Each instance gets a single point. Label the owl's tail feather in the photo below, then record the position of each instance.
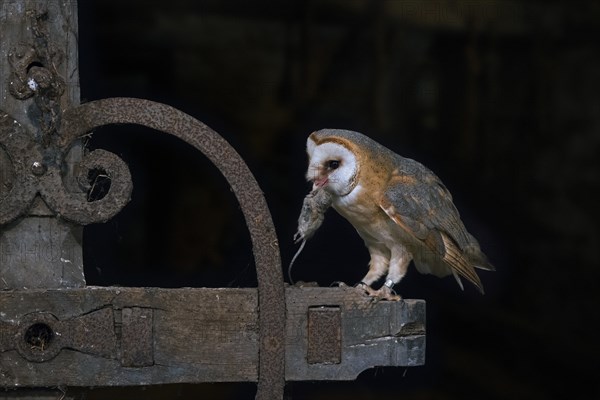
(479, 260)
(457, 277)
(476, 256)
(459, 264)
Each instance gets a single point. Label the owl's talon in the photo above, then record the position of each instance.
(365, 289)
(387, 293)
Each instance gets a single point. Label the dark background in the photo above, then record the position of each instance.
(500, 99)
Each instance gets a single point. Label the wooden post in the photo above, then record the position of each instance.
(37, 41)
(38, 47)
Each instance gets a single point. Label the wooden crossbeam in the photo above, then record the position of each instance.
(113, 336)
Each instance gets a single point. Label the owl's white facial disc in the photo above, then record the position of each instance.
(332, 167)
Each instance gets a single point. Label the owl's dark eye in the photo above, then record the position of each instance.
(333, 164)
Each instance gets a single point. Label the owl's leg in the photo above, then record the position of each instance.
(398, 267)
(378, 266)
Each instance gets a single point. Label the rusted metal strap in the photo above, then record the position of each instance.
(40, 336)
(324, 335)
(137, 344)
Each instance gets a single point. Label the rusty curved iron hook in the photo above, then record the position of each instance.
(79, 120)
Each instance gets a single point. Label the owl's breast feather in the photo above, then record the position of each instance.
(361, 208)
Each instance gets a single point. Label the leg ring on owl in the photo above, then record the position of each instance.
(386, 292)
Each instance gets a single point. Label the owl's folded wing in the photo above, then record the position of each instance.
(422, 206)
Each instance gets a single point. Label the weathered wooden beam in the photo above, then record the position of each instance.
(371, 334)
(142, 336)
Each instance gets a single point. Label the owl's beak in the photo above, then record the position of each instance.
(320, 182)
(317, 177)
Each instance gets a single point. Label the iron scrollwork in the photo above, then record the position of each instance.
(79, 120)
(36, 161)
(38, 168)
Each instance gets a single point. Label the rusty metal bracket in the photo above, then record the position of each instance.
(137, 345)
(38, 169)
(77, 121)
(40, 336)
(324, 335)
(34, 73)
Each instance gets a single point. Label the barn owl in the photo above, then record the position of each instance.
(399, 208)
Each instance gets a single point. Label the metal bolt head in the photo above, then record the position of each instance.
(38, 168)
